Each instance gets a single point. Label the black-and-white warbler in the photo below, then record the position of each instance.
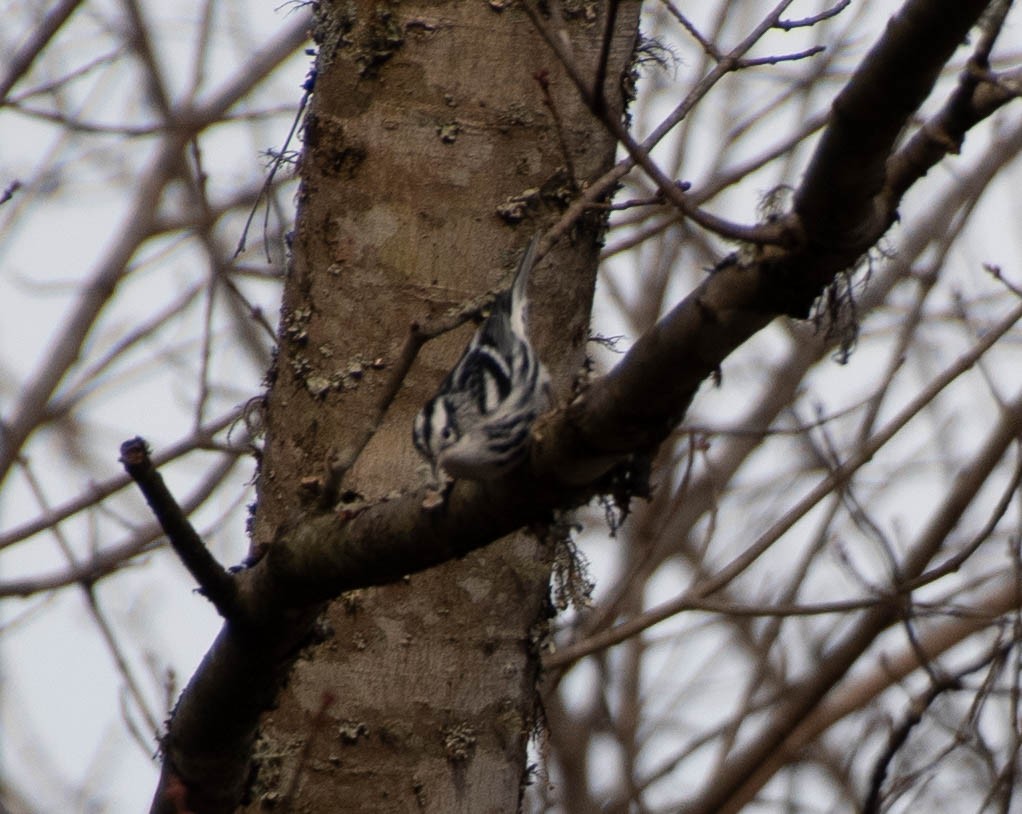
(477, 425)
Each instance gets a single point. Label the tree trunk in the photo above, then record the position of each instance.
(430, 160)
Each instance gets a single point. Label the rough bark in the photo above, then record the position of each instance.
(426, 118)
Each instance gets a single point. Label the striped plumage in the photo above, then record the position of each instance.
(477, 425)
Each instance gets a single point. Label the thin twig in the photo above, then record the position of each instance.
(954, 563)
(542, 78)
(708, 47)
(774, 60)
(308, 87)
(917, 708)
(341, 463)
(807, 22)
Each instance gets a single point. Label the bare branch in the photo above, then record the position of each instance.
(216, 583)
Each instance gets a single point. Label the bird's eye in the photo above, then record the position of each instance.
(447, 433)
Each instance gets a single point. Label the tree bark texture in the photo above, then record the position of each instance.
(430, 160)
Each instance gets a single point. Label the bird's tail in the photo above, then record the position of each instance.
(519, 285)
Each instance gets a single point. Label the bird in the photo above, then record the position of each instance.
(478, 424)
